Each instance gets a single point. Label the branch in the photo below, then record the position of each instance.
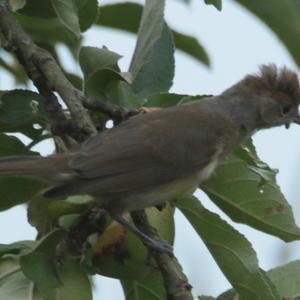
(117, 113)
(41, 67)
(176, 286)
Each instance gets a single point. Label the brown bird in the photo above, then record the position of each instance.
(155, 157)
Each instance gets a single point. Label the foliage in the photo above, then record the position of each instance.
(243, 186)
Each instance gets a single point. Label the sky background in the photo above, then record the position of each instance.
(237, 43)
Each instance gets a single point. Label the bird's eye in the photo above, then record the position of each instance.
(285, 109)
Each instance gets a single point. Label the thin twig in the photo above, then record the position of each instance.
(175, 282)
(41, 67)
(117, 113)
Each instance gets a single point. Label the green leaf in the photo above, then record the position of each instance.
(283, 17)
(37, 8)
(87, 13)
(92, 59)
(67, 13)
(127, 16)
(75, 80)
(19, 107)
(95, 86)
(245, 189)
(119, 93)
(48, 32)
(170, 99)
(287, 279)
(152, 65)
(16, 247)
(216, 3)
(43, 213)
(15, 190)
(75, 284)
(39, 264)
(164, 100)
(228, 295)
(148, 288)
(191, 46)
(76, 15)
(14, 285)
(102, 79)
(229, 248)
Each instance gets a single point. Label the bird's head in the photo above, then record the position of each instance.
(277, 94)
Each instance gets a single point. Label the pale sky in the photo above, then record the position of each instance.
(237, 43)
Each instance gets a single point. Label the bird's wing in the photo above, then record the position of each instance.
(147, 150)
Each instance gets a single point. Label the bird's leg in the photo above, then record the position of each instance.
(155, 245)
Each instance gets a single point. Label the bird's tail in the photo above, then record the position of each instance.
(51, 166)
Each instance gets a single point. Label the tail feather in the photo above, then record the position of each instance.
(54, 165)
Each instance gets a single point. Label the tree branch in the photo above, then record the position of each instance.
(117, 113)
(41, 67)
(175, 282)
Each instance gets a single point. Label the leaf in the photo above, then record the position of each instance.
(191, 46)
(67, 13)
(37, 8)
(15, 190)
(87, 12)
(48, 31)
(14, 285)
(39, 264)
(43, 213)
(287, 279)
(76, 15)
(283, 17)
(102, 79)
(126, 16)
(229, 248)
(19, 107)
(245, 189)
(119, 93)
(152, 65)
(16, 247)
(170, 99)
(216, 3)
(164, 100)
(75, 284)
(148, 288)
(92, 59)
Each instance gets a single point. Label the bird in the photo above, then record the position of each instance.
(155, 157)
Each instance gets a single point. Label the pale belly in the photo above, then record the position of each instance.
(162, 193)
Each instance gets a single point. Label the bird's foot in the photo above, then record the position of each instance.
(159, 246)
(154, 245)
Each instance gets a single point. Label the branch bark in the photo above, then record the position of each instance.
(117, 113)
(43, 70)
(175, 282)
